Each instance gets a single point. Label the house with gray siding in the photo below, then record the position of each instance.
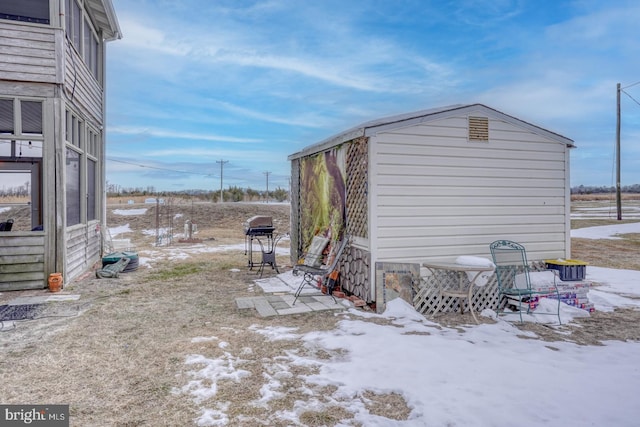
(431, 186)
(52, 139)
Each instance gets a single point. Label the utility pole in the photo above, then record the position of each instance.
(222, 162)
(267, 174)
(618, 195)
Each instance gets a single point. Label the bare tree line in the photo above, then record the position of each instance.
(231, 194)
(594, 189)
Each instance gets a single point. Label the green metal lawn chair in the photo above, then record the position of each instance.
(516, 288)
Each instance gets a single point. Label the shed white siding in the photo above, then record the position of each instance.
(436, 195)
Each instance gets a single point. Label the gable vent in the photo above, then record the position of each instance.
(478, 129)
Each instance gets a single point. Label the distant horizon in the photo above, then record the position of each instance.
(624, 189)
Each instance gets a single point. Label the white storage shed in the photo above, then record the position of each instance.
(431, 186)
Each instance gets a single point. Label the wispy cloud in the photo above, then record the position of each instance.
(308, 120)
(164, 133)
(370, 64)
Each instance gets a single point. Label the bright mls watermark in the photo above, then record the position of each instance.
(34, 415)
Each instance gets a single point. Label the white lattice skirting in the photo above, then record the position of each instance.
(428, 301)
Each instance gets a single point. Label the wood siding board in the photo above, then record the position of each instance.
(454, 212)
(21, 268)
(451, 248)
(490, 217)
(403, 205)
(30, 65)
(430, 191)
(428, 132)
(514, 170)
(21, 250)
(398, 247)
(28, 77)
(21, 239)
(453, 181)
(478, 229)
(15, 28)
(83, 89)
(22, 259)
(483, 225)
(425, 223)
(22, 285)
(497, 177)
(21, 276)
(497, 126)
(413, 144)
(445, 252)
(27, 89)
(82, 250)
(415, 154)
(26, 52)
(32, 74)
(25, 47)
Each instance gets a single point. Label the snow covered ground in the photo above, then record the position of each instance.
(476, 375)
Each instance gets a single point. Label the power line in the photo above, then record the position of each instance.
(631, 85)
(242, 179)
(634, 100)
(155, 167)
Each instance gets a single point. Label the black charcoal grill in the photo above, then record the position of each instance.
(256, 226)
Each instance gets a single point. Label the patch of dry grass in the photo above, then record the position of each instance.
(388, 405)
(122, 358)
(603, 197)
(621, 254)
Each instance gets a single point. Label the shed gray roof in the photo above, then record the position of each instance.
(416, 117)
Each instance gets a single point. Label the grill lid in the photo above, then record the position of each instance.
(259, 221)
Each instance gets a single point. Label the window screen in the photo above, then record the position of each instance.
(73, 187)
(36, 11)
(6, 116)
(31, 117)
(91, 189)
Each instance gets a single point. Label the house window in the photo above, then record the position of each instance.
(92, 182)
(36, 11)
(83, 179)
(478, 129)
(6, 116)
(73, 129)
(72, 186)
(93, 155)
(21, 151)
(82, 36)
(31, 117)
(25, 140)
(73, 20)
(90, 49)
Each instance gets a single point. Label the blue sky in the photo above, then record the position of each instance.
(195, 82)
